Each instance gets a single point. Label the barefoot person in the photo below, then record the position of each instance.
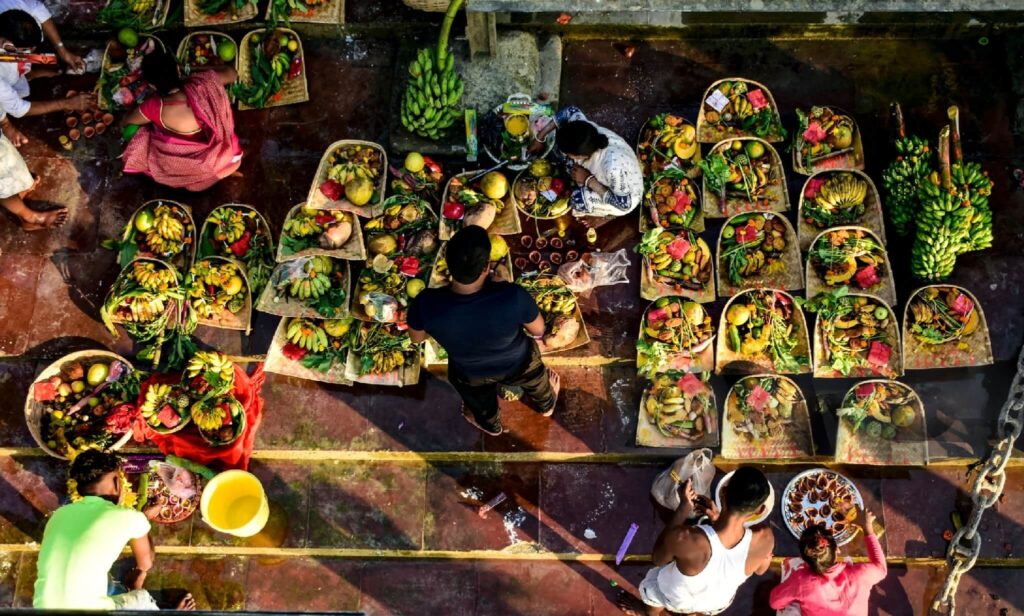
(700, 567)
(603, 166)
(84, 539)
(480, 323)
(820, 585)
(20, 31)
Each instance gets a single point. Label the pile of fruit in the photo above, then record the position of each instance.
(406, 227)
(431, 103)
(673, 325)
(880, 409)
(313, 228)
(132, 14)
(142, 299)
(162, 230)
(380, 348)
(679, 259)
(86, 405)
(355, 173)
(275, 58)
(558, 307)
(752, 245)
(737, 108)
(680, 405)
(498, 262)
(939, 315)
(240, 233)
(668, 142)
(120, 84)
(384, 288)
(762, 407)
(823, 134)
(542, 190)
(859, 334)
(216, 289)
(317, 282)
(317, 344)
(419, 174)
(216, 7)
(165, 407)
(850, 256)
(477, 203)
(740, 169)
(209, 49)
(220, 419)
(834, 198)
(762, 325)
(673, 201)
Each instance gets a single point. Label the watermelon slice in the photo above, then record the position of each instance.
(656, 314)
(691, 385)
(746, 233)
(757, 99)
(758, 398)
(168, 416)
(678, 248)
(865, 389)
(868, 277)
(879, 353)
(293, 351)
(44, 392)
(962, 305)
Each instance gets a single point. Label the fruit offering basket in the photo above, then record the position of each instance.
(677, 409)
(485, 202)
(738, 107)
(758, 250)
(668, 142)
(237, 231)
(563, 320)
(763, 330)
(159, 229)
(850, 257)
(766, 417)
(677, 263)
(945, 327)
(832, 199)
(383, 354)
(743, 175)
(313, 287)
(855, 335)
(882, 423)
(351, 176)
(311, 231)
(207, 48)
(676, 334)
(271, 70)
(219, 293)
(312, 349)
(200, 13)
(826, 138)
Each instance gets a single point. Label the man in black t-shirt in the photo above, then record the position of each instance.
(481, 323)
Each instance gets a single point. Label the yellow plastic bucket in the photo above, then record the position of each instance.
(234, 502)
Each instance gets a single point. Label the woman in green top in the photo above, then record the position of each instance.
(84, 539)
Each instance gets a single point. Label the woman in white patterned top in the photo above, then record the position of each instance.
(602, 165)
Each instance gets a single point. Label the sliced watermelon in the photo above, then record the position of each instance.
(691, 385)
(868, 277)
(293, 351)
(44, 391)
(678, 248)
(168, 416)
(962, 305)
(879, 353)
(865, 389)
(758, 398)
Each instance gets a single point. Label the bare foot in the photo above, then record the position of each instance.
(556, 384)
(187, 603)
(35, 184)
(40, 221)
(632, 606)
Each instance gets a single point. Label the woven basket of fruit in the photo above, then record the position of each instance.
(563, 320)
(200, 13)
(834, 198)
(219, 293)
(135, 14)
(737, 107)
(385, 285)
(145, 296)
(314, 287)
(120, 85)
(668, 142)
(406, 233)
(500, 264)
(672, 202)
(766, 417)
(82, 401)
(882, 422)
(542, 190)
(165, 407)
(677, 263)
(312, 349)
(945, 327)
(855, 335)
(271, 70)
(330, 232)
(675, 334)
(763, 330)
(743, 175)
(306, 11)
(220, 420)
(159, 229)
(758, 250)
(205, 48)
(826, 138)
(382, 354)
(485, 202)
(850, 256)
(677, 409)
(238, 231)
(352, 175)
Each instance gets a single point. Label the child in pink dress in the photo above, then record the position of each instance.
(821, 586)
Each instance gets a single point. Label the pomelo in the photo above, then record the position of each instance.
(494, 185)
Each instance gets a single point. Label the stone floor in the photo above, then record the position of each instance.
(375, 491)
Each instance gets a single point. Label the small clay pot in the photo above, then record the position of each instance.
(534, 256)
(541, 243)
(572, 255)
(108, 118)
(71, 121)
(520, 263)
(100, 128)
(556, 243)
(89, 132)
(86, 117)
(556, 258)
(526, 241)
(74, 134)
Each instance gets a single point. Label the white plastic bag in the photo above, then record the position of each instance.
(696, 467)
(596, 269)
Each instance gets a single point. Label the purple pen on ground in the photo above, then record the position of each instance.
(491, 504)
(625, 543)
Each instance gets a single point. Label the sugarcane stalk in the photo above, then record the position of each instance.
(897, 115)
(947, 178)
(954, 116)
(446, 28)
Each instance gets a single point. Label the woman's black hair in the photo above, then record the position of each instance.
(90, 466)
(818, 549)
(580, 138)
(20, 28)
(468, 253)
(160, 70)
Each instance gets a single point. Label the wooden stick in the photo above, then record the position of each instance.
(947, 179)
(954, 116)
(897, 115)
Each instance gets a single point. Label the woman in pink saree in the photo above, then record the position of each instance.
(186, 136)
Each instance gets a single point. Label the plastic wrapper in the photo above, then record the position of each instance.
(178, 481)
(695, 466)
(596, 269)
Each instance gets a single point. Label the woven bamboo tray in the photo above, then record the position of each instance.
(182, 53)
(292, 91)
(34, 411)
(353, 250)
(822, 370)
(648, 215)
(161, 12)
(648, 434)
(582, 338)
(653, 286)
(505, 223)
(728, 361)
(194, 17)
(202, 251)
(124, 271)
(871, 219)
(796, 442)
(789, 278)
(277, 363)
(318, 200)
(849, 160)
(690, 166)
(701, 358)
(101, 100)
(184, 259)
(284, 306)
(886, 291)
(241, 320)
(431, 6)
(858, 448)
(329, 12)
(972, 350)
(775, 199)
(707, 133)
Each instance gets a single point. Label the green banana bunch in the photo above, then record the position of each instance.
(431, 101)
(901, 178)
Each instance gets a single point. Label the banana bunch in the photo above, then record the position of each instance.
(228, 224)
(310, 287)
(386, 361)
(345, 172)
(557, 303)
(431, 101)
(975, 186)
(209, 414)
(741, 107)
(145, 307)
(901, 179)
(281, 63)
(141, 7)
(153, 277)
(843, 191)
(302, 225)
(933, 255)
(307, 334)
(204, 362)
(391, 284)
(156, 394)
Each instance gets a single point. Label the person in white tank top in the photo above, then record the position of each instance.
(699, 567)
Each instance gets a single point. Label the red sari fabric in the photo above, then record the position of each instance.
(193, 162)
(190, 445)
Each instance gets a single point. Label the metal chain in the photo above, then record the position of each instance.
(965, 546)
